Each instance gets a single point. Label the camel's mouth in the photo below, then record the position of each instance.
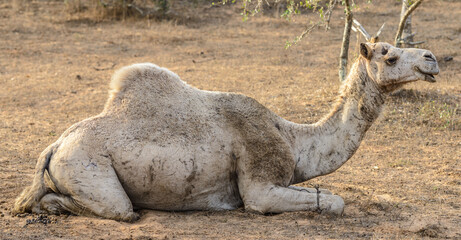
(428, 77)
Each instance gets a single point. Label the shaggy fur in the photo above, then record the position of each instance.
(162, 144)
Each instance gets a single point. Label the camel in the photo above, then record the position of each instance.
(162, 144)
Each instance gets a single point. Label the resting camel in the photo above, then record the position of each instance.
(162, 144)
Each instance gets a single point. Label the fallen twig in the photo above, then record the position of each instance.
(106, 68)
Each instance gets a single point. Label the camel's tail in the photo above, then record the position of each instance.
(30, 197)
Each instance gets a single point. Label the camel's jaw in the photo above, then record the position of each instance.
(419, 74)
(427, 76)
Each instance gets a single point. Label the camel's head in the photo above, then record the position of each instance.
(392, 67)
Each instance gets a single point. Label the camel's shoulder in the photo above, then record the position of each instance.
(246, 114)
(241, 105)
(261, 134)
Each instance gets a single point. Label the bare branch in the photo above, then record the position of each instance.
(380, 29)
(408, 37)
(416, 43)
(345, 45)
(362, 30)
(403, 20)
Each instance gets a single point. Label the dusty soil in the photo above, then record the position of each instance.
(403, 182)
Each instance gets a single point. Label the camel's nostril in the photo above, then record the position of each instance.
(429, 57)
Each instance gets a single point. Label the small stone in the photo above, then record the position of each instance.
(448, 58)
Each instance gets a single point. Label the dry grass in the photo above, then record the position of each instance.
(96, 10)
(75, 6)
(18, 5)
(433, 109)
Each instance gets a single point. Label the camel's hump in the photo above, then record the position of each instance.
(145, 76)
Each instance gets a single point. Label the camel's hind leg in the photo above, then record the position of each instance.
(87, 186)
(101, 197)
(57, 204)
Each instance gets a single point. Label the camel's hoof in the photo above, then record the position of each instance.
(331, 205)
(337, 206)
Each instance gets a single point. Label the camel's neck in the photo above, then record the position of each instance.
(323, 147)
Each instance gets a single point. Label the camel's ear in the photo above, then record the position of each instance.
(365, 50)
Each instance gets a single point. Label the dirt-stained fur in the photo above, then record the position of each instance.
(162, 144)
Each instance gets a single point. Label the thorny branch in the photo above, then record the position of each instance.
(306, 31)
(325, 20)
(331, 6)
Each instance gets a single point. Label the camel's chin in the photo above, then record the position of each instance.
(429, 78)
(426, 76)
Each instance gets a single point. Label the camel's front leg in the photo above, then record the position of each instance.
(311, 190)
(268, 198)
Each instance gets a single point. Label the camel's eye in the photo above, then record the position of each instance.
(391, 61)
(384, 51)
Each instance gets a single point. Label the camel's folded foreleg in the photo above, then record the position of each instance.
(268, 198)
(311, 190)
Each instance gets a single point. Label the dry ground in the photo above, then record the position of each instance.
(403, 182)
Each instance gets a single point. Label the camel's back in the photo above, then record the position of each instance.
(145, 96)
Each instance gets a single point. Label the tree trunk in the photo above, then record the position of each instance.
(407, 28)
(403, 20)
(345, 47)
